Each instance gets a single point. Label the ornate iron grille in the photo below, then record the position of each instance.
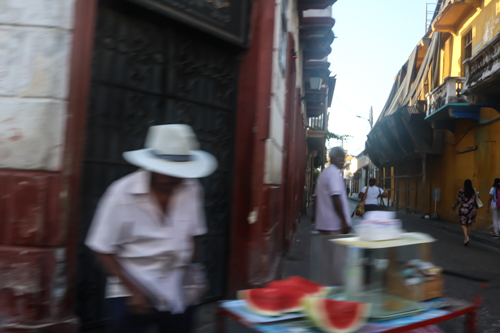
(146, 73)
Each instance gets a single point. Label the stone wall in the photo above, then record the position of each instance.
(35, 41)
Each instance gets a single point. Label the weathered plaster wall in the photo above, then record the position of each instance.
(487, 24)
(481, 166)
(35, 40)
(275, 142)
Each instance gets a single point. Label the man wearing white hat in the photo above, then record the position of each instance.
(144, 231)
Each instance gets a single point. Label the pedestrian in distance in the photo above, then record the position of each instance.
(331, 215)
(372, 198)
(348, 189)
(468, 209)
(494, 205)
(144, 234)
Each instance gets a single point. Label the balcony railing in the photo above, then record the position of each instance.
(483, 67)
(317, 123)
(448, 92)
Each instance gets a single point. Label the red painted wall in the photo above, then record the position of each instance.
(257, 248)
(39, 214)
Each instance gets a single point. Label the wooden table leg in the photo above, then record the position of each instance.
(471, 322)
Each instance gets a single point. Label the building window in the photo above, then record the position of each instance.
(467, 47)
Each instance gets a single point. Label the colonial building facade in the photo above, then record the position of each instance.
(82, 80)
(440, 124)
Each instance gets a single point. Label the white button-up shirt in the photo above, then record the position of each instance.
(330, 183)
(152, 247)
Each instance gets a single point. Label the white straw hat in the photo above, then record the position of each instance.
(173, 150)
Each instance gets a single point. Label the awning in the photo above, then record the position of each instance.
(401, 130)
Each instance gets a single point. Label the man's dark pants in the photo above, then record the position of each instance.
(123, 321)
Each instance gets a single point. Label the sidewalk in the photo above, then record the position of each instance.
(450, 227)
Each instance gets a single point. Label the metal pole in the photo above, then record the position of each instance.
(407, 196)
(430, 185)
(371, 117)
(397, 187)
(424, 166)
(426, 13)
(416, 192)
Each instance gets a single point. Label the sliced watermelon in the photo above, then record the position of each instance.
(336, 316)
(291, 300)
(308, 287)
(263, 301)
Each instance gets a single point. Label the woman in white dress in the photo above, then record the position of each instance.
(492, 205)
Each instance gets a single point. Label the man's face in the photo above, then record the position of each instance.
(164, 183)
(338, 160)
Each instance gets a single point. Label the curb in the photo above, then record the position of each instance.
(476, 235)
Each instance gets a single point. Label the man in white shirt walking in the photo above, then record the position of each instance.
(144, 231)
(332, 205)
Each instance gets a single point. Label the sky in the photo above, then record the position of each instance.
(373, 40)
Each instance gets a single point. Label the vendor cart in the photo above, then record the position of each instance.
(381, 279)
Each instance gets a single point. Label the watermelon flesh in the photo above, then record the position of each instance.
(282, 296)
(335, 316)
(263, 301)
(299, 284)
(291, 300)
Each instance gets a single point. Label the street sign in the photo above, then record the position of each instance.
(436, 195)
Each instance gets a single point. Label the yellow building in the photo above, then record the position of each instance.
(439, 125)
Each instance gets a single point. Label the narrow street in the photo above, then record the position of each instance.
(476, 261)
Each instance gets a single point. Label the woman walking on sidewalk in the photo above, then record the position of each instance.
(468, 210)
(493, 205)
(374, 192)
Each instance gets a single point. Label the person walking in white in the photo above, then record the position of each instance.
(495, 211)
(332, 207)
(374, 192)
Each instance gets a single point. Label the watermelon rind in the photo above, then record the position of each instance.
(310, 308)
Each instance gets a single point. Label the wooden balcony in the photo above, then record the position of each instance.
(316, 36)
(316, 123)
(448, 92)
(452, 13)
(315, 4)
(446, 104)
(482, 70)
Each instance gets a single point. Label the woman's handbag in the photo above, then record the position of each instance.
(360, 208)
(479, 203)
(382, 205)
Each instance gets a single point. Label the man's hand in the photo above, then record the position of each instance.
(337, 205)
(138, 303)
